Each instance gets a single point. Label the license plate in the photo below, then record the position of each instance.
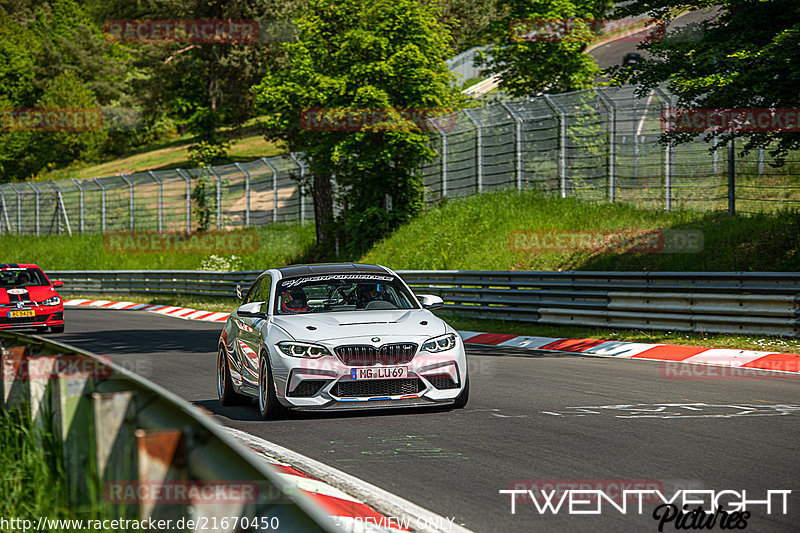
(383, 372)
(20, 314)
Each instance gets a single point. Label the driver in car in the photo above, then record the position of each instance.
(367, 293)
(294, 301)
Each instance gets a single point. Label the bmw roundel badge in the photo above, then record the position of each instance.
(376, 339)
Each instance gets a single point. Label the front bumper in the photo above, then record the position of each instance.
(327, 384)
(44, 316)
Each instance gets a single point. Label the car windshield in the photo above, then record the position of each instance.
(341, 292)
(21, 277)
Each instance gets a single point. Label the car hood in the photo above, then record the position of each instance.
(405, 323)
(36, 294)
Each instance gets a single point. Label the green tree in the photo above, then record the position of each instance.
(553, 64)
(747, 57)
(351, 55)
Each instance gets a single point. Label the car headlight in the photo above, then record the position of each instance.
(55, 300)
(303, 349)
(440, 344)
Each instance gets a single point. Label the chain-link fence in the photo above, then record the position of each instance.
(599, 144)
(254, 193)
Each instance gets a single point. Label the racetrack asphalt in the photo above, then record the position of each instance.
(532, 416)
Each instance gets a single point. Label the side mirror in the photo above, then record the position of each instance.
(239, 291)
(251, 310)
(429, 301)
(58, 283)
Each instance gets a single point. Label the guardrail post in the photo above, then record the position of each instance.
(102, 204)
(478, 149)
(246, 194)
(160, 198)
(219, 196)
(35, 190)
(274, 188)
(188, 199)
(517, 143)
(300, 187)
(130, 188)
(609, 104)
(19, 206)
(161, 455)
(562, 143)
(75, 426)
(115, 445)
(82, 206)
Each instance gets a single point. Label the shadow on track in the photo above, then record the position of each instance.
(143, 341)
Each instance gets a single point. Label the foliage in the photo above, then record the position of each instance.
(747, 57)
(529, 67)
(353, 55)
(475, 233)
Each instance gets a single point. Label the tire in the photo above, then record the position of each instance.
(463, 398)
(225, 392)
(57, 329)
(268, 404)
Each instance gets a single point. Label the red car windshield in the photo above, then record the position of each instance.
(22, 277)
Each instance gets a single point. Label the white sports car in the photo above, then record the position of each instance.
(339, 336)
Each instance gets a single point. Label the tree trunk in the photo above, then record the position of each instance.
(322, 192)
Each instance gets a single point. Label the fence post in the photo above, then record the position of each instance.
(668, 156)
(19, 206)
(130, 187)
(219, 196)
(478, 149)
(102, 205)
(609, 104)
(160, 198)
(517, 143)
(35, 190)
(5, 211)
(82, 208)
(60, 208)
(716, 155)
(246, 194)
(731, 177)
(562, 143)
(188, 199)
(274, 188)
(300, 187)
(760, 160)
(443, 157)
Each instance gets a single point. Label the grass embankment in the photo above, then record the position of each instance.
(172, 152)
(480, 233)
(278, 245)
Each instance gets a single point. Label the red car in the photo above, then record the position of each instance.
(28, 299)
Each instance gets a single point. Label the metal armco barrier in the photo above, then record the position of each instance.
(121, 434)
(724, 302)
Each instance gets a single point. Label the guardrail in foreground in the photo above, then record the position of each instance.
(128, 439)
(724, 302)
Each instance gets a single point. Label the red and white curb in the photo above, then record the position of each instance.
(343, 497)
(749, 359)
(185, 313)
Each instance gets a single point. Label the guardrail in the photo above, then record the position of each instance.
(123, 438)
(724, 302)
